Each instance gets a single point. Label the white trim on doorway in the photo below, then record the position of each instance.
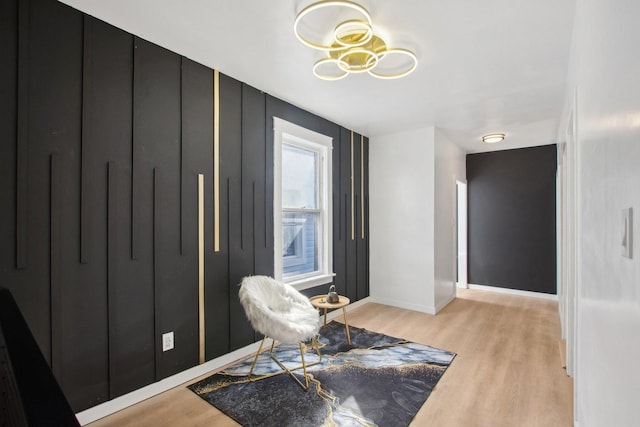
(461, 222)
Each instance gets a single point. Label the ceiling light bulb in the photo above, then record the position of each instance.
(492, 138)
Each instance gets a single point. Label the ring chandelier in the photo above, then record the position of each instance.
(354, 46)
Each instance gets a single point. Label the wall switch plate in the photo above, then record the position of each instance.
(167, 341)
(627, 233)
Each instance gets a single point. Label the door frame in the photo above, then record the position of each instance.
(461, 235)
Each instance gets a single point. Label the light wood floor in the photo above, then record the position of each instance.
(507, 372)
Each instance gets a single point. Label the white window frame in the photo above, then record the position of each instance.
(288, 133)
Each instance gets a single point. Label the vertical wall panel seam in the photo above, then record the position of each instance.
(356, 251)
(228, 226)
(54, 282)
(22, 135)
(353, 226)
(216, 161)
(253, 221)
(242, 168)
(154, 238)
(182, 155)
(339, 215)
(201, 273)
(86, 66)
(266, 152)
(339, 186)
(346, 226)
(362, 185)
(366, 216)
(109, 260)
(134, 203)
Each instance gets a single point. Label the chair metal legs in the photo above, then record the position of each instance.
(303, 366)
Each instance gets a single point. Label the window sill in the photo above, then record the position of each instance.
(310, 282)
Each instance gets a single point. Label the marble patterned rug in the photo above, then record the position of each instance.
(378, 380)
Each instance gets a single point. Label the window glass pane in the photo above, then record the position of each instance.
(299, 178)
(299, 243)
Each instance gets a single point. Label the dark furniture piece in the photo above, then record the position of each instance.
(29, 393)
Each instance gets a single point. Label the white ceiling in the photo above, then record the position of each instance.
(484, 66)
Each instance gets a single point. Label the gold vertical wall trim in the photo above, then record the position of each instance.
(201, 265)
(216, 161)
(353, 216)
(362, 185)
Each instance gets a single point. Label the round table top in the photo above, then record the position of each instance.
(320, 301)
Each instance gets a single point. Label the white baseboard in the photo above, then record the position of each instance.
(445, 303)
(428, 309)
(112, 406)
(514, 292)
(137, 396)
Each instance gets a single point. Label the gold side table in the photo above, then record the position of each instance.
(320, 301)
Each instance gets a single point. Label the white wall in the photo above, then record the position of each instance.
(450, 164)
(401, 183)
(604, 72)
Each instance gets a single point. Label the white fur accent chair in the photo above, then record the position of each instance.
(280, 312)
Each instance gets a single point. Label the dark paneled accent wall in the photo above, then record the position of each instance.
(512, 219)
(103, 138)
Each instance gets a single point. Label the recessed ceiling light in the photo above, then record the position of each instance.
(492, 138)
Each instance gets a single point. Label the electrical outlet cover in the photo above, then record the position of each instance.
(167, 341)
